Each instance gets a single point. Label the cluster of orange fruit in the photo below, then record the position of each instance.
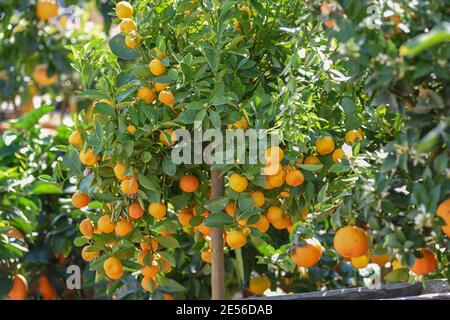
(46, 9)
(19, 290)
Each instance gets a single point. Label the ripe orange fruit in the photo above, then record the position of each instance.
(75, 139)
(123, 227)
(312, 160)
(132, 40)
(283, 223)
(127, 25)
(88, 158)
(135, 211)
(350, 137)
(337, 155)
(396, 264)
(104, 224)
(309, 254)
(325, 145)
(149, 244)
(119, 171)
(149, 284)
(258, 285)
(167, 98)
(159, 54)
(157, 210)
(19, 290)
(329, 23)
(146, 94)
(206, 256)
(89, 255)
(185, 216)
(168, 296)
(150, 271)
(273, 154)
(381, 259)
(87, 228)
(360, 262)
(141, 256)
(236, 239)
(80, 200)
(41, 78)
(262, 224)
(189, 183)
(258, 198)
(124, 10)
(278, 179)
(240, 124)
(426, 264)
(164, 140)
(443, 211)
(294, 178)
(270, 169)
(230, 208)
(351, 242)
(131, 129)
(159, 86)
(130, 185)
(237, 182)
(113, 268)
(46, 9)
(274, 214)
(204, 229)
(156, 67)
(46, 289)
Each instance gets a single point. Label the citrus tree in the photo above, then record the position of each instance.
(292, 220)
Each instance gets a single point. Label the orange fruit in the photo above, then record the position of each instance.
(312, 160)
(325, 145)
(159, 54)
(127, 25)
(132, 40)
(75, 139)
(283, 223)
(240, 124)
(360, 262)
(123, 227)
(149, 244)
(167, 98)
(130, 185)
(426, 264)
(46, 289)
(185, 216)
(352, 135)
(258, 198)
(381, 259)
(278, 179)
(237, 182)
(135, 211)
(41, 78)
(309, 254)
(443, 211)
(396, 264)
(206, 256)
(88, 158)
(273, 154)
(142, 255)
(157, 210)
(337, 155)
(189, 183)
(230, 208)
(262, 224)
(19, 290)
(204, 229)
(146, 94)
(294, 178)
(271, 169)
(124, 10)
(329, 23)
(149, 284)
(119, 171)
(150, 271)
(351, 242)
(163, 138)
(156, 67)
(113, 268)
(274, 214)
(258, 285)
(131, 129)
(87, 228)
(159, 86)
(80, 200)
(236, 239)
(46, 9)
(168, 296)
(89, 255)
(104, 224)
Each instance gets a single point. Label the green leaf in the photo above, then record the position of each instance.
(216, 220)
(32, 118)
(425, 41)
(338, 167)
(168, 242)
(41, 187)
(311, 167)
(148, 183)
(217, 204)
(80, 241)
(169, 167)
(104, 109)
(399, 275)
(119, 48)
(170, 285)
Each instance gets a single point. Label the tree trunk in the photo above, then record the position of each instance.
(217, 263)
